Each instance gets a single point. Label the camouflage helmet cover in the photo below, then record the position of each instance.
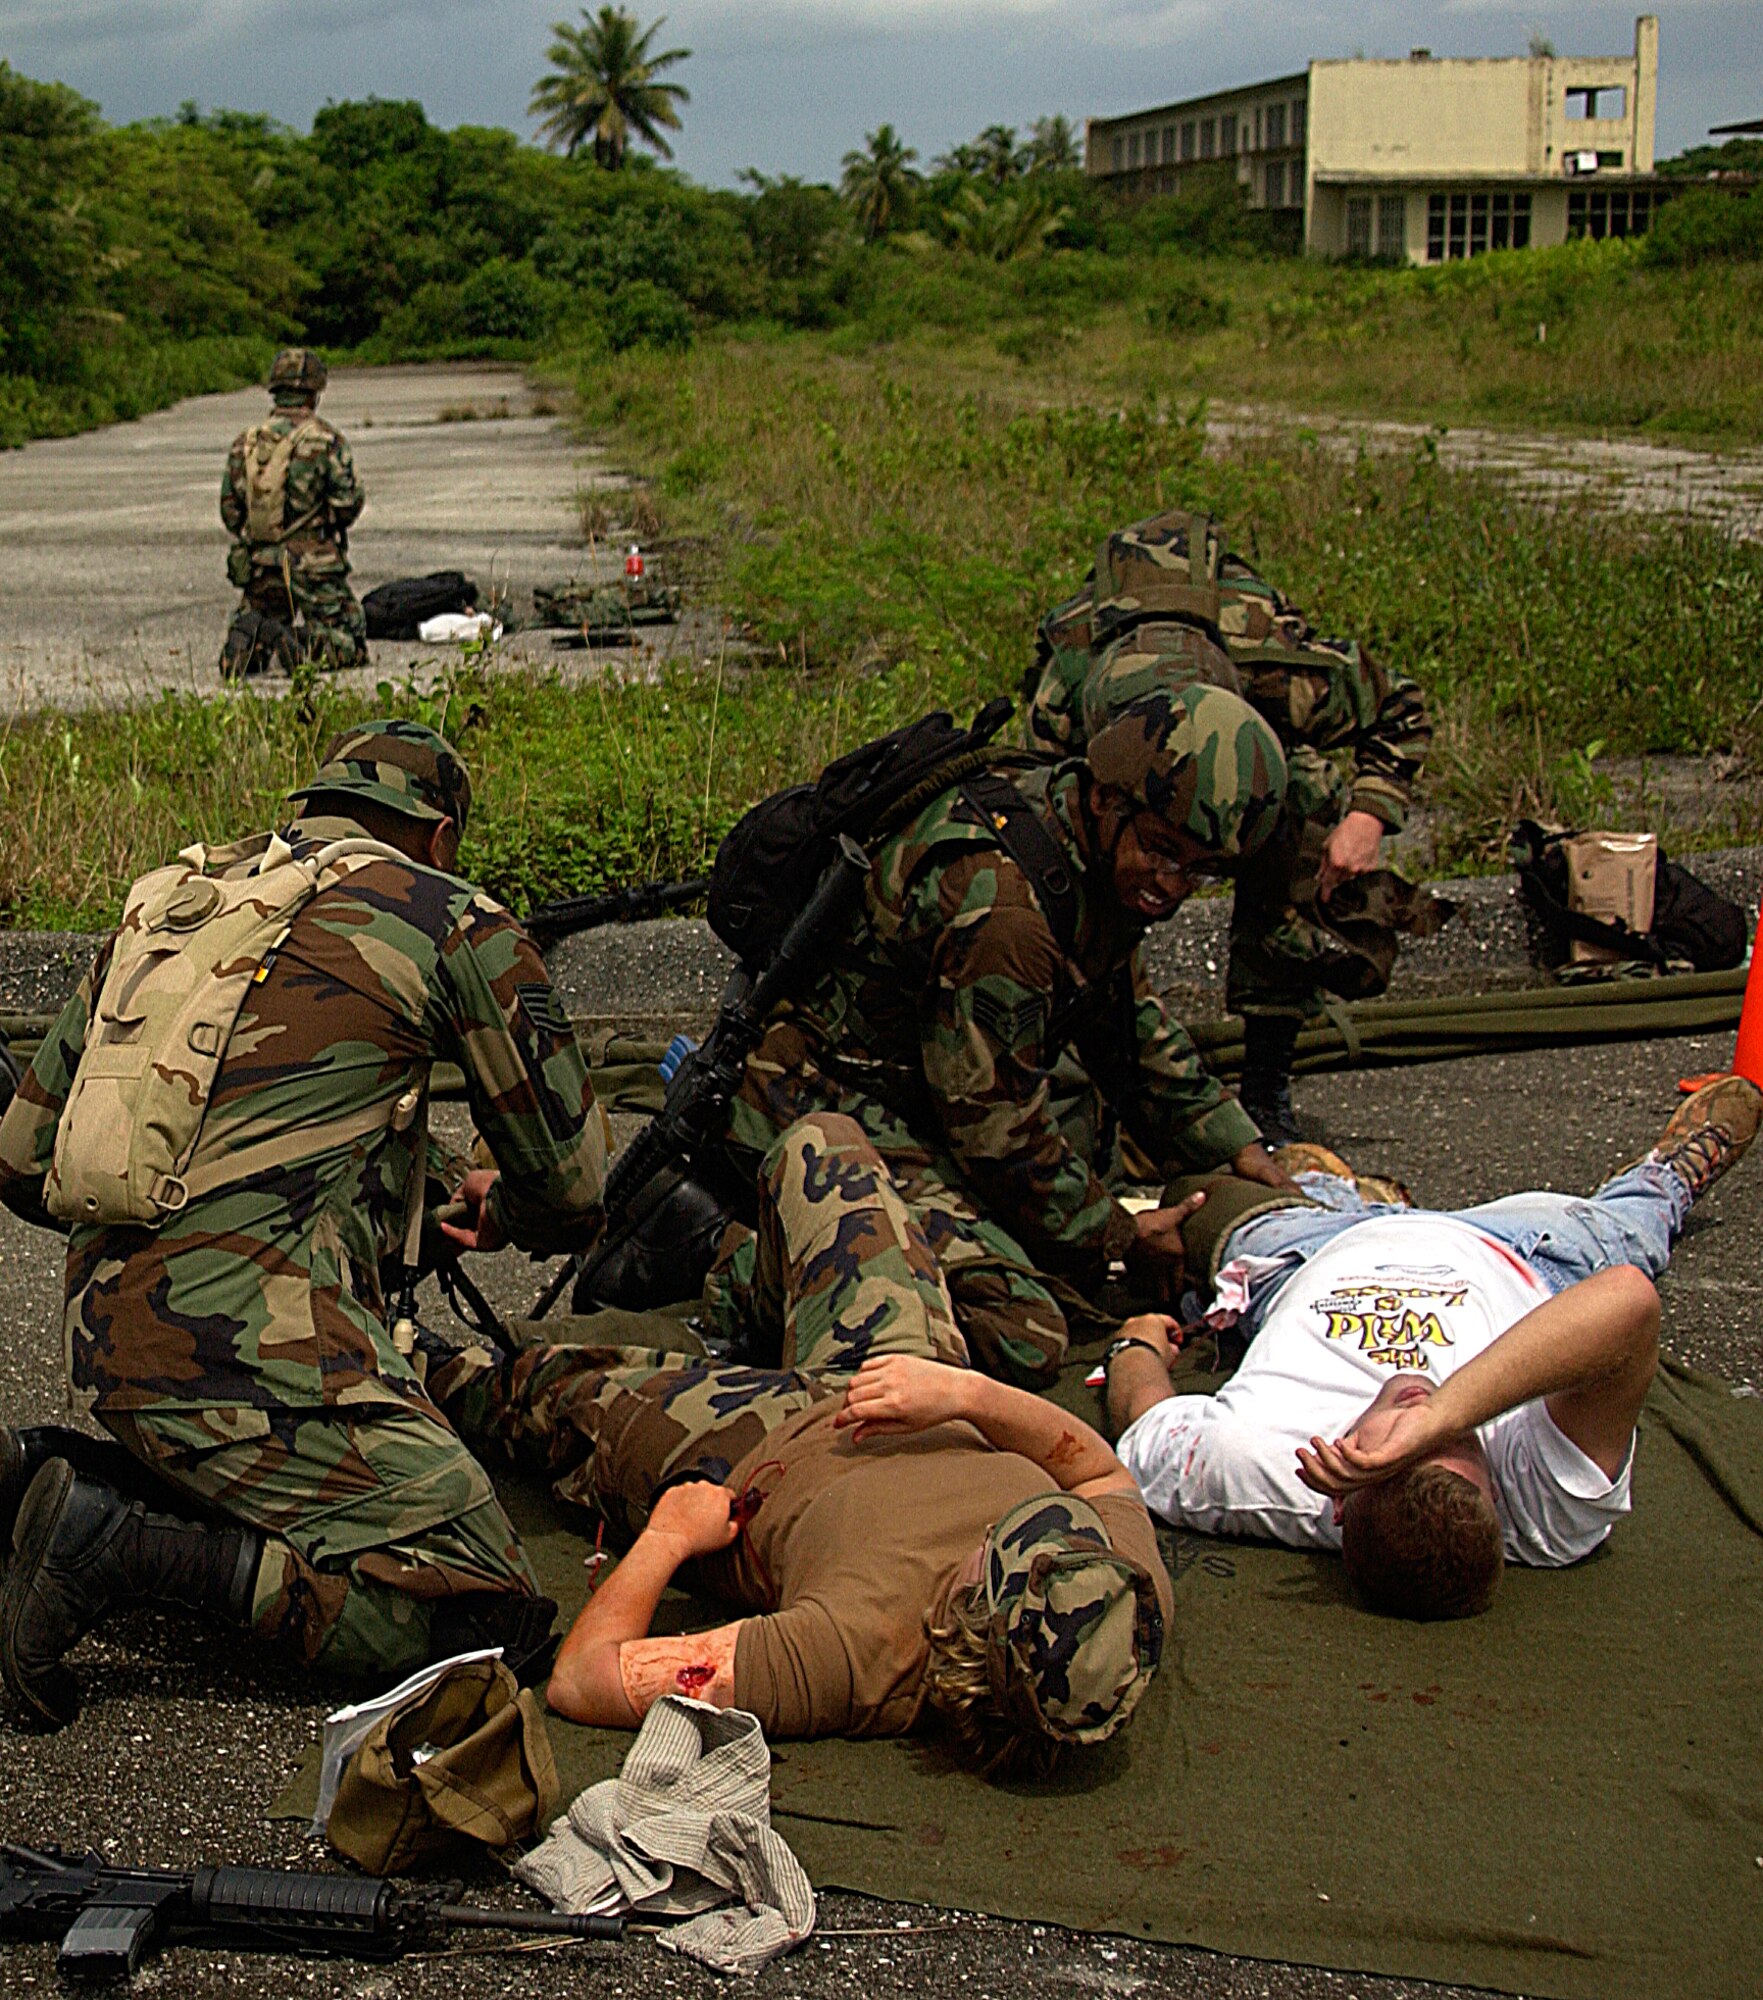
(1200, 758)
(403, 765)
(298, 373)
(1162, 655)
(1074, 1631)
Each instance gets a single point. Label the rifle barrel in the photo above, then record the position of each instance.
(549, 1923)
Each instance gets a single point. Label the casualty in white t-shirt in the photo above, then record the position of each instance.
(1420, 1293)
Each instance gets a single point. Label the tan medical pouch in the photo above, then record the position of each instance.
(188, 950)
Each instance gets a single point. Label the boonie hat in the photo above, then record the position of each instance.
(1074, 1631)
(404, 765)
(1200, 758)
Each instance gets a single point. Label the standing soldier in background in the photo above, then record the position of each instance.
(289, 498)
(230, 1120)
(1167, 606)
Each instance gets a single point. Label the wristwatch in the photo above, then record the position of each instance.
(1121, 1345)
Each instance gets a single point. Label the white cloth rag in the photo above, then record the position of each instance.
(683, 1830)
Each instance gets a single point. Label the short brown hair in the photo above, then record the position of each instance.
(958, 1685)
(1425, 1544)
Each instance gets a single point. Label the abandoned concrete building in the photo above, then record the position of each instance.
(1424, 160)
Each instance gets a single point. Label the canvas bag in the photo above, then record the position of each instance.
(186, 954)
(467, 1759)
(267, 459)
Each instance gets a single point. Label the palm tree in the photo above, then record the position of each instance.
(602, 87)
(1054, 147)
(878, 182)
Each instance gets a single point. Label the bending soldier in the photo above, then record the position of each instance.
(1000, 926)
(289, 498)
(276, 1464)
(908, 1539)
(1167, 606)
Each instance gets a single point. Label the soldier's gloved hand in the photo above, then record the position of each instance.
(476, 1227)
(1354, 848)
(1256, 1163)
(1157, 1262)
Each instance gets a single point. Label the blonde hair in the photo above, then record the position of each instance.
(958, 1685)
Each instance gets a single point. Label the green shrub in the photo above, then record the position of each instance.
(1704, 224)
(642, 314)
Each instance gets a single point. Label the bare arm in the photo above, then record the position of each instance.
(893, 1394)
(1138, 1377)
(587, 1683)
(1590, 1352)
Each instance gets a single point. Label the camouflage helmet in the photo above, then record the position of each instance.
(1073, 1631)
(1201, 758)
(297, 374)
(403, 765)
(1154, 658)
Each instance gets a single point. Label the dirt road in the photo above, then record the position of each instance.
(112, 555)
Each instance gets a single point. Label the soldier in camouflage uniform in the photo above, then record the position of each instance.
(289, 498)
(938, 1029)
(240, 1350)
(848, 1497)
(1168, 606)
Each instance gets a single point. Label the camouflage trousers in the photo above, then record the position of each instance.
(332, 624)
(1013, 1324)
(840, 1266)
(370, 1522)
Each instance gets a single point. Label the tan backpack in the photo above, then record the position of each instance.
(268, 455)
(189, 948)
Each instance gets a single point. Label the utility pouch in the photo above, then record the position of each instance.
(188, 950)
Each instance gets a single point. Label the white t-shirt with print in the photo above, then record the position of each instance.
(1419, 1293)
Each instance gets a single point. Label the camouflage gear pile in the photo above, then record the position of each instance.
(242, 1346)
(1075, 1632)
(937, 1031)
(291, 560)
(1199, 758)
(403, 765)
(1167, 607)
(299, 374)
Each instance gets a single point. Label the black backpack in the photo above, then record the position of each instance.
(395, 610)
(771, 858)
(1691, 922)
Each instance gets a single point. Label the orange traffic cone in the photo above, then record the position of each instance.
(1747, 1057)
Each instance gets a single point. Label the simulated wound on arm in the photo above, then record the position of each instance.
(528, 1082)
(699, 1664)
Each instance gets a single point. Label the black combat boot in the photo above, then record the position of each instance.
(81, 1551)
(27, 1448)
(524, 1627)
(1269, 1042)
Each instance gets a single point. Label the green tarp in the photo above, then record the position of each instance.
(1562, 1798)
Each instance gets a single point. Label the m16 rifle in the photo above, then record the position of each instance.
(551, 921)
(110, 1919)
(691, 1120)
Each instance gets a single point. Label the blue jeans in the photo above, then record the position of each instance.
(1633, 1219)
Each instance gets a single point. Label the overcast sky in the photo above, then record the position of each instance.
(788, 85)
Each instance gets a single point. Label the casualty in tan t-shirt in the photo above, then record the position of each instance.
(850, 1547)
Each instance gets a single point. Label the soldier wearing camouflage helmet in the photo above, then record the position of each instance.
(289, 497)
(1169, 605)
(911, 1543)
(1000, 934)
(233, 1337)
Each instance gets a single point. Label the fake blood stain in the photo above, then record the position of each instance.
(694, 1680)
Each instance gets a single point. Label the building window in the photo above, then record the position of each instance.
(1464, 225)
(1609, 160)
(1208, 138)
(1227, 133)
(1601, 212)
(1358, 225)
(1392, 225)
(1274, 183)
(1187, 140)
(1598, 100)
(1168, 145)
(1275, 128)
(1256, 147)
(1119, 154)
(1132, 150)
(1297, 121)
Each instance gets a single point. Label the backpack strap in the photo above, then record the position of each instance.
(1026, 840)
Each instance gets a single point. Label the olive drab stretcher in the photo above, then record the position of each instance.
(189, 948)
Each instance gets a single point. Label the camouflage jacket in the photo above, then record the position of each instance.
(955, 1001)
(270, 1291)
(322, 498)
(1324, 698)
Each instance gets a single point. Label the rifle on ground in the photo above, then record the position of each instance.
(110, 1919)
(691, 1120)
(551, 921)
